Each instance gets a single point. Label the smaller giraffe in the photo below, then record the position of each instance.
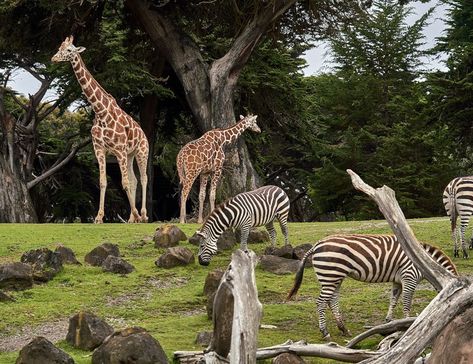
(113, 131)
(205, 157)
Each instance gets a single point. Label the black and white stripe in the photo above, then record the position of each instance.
(244, 211)
(458, 200)
(367, 258)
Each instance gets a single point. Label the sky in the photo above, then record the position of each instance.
(317, 58)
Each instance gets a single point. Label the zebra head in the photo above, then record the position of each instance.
(207, 247)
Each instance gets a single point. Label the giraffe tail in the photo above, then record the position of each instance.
(300, 273)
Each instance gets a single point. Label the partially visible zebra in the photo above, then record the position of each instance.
(458, 200)
(248, 209)
(367, 258)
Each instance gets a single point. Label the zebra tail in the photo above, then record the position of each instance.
(300, 273)
(453, 207)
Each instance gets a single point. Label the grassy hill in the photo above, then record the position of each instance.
(169, 303)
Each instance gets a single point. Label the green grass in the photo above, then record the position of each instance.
(169, 303)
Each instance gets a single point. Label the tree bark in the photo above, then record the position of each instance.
(15, 201)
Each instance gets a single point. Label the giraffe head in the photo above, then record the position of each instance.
(250, 122)
(67, 51)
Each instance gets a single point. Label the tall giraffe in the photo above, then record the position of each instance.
(205, 157)
(113, 131)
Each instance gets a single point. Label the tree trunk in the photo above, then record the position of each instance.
(15, 200)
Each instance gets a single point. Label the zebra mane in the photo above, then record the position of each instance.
(215, 211)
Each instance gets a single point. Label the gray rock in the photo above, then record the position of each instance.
(167, 236)
(210, 305)
(175, 256)
(195, 239)
(117, 265)
(212, 281)
(16, 276)
(279, 265)
(67, 255)
(288, 358)
(286, 251)
(44, 262)
(87, 331)
(97, 256)
(227, 240)
(41, 351)
(299, 252)
(131, 345)
(256, 236)
(203, 338)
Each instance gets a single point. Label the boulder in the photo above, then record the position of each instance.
(212, 281)
(131, 345)
(97, 256)
(41, 351)
(227, 240)
(117, 265)
(288, 358)
(87, 331)
(286, 251)
(210, 305)
(203, 338)
(255, 236)
(16, 276)
(167, 236)
(195, 239)
(299, 252)
(67, 255)
(175, 256)
(45, 263)
(279, 265)
(5, 298)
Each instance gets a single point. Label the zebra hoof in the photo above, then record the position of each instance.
(455, 254)
(465, 255)
(327, 337)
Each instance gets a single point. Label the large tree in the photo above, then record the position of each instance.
(208, 44)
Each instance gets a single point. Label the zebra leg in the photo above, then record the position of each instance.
(272, 232)
(244, 232)
(408, 288)
(335, 308)
(325, 297)
(395, 293)
(455, 242)
(463, 226)
(471, 242)
(283, 225)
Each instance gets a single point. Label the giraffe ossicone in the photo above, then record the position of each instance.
(113, 132)
(205, 157)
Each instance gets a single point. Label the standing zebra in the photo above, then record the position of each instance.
(244, 211)
(366, 258)
(458, 200)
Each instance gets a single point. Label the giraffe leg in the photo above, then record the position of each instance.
(142, 161)
(272, 232)
(395, 293)
(123, 163)
(203, 184)
(186, 189)
(132, 183)
(213, 186)
(100, 155)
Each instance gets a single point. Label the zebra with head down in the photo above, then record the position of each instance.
(244, 211)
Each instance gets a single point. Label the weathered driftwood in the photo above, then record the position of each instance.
(236, 315)
(383, 329)
(330, 351)
(456, 292)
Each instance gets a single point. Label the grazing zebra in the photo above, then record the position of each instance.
(458, 200)
(367, 258)
(244, 211)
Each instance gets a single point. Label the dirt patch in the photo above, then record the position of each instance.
(53, 331)
(126, 298)
(167, 282)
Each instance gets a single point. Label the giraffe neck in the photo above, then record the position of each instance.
(95, 94)
(232, 133)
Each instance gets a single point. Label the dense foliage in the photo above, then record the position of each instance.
(377, 111)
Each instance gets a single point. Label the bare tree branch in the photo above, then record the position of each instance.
(57, 166)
